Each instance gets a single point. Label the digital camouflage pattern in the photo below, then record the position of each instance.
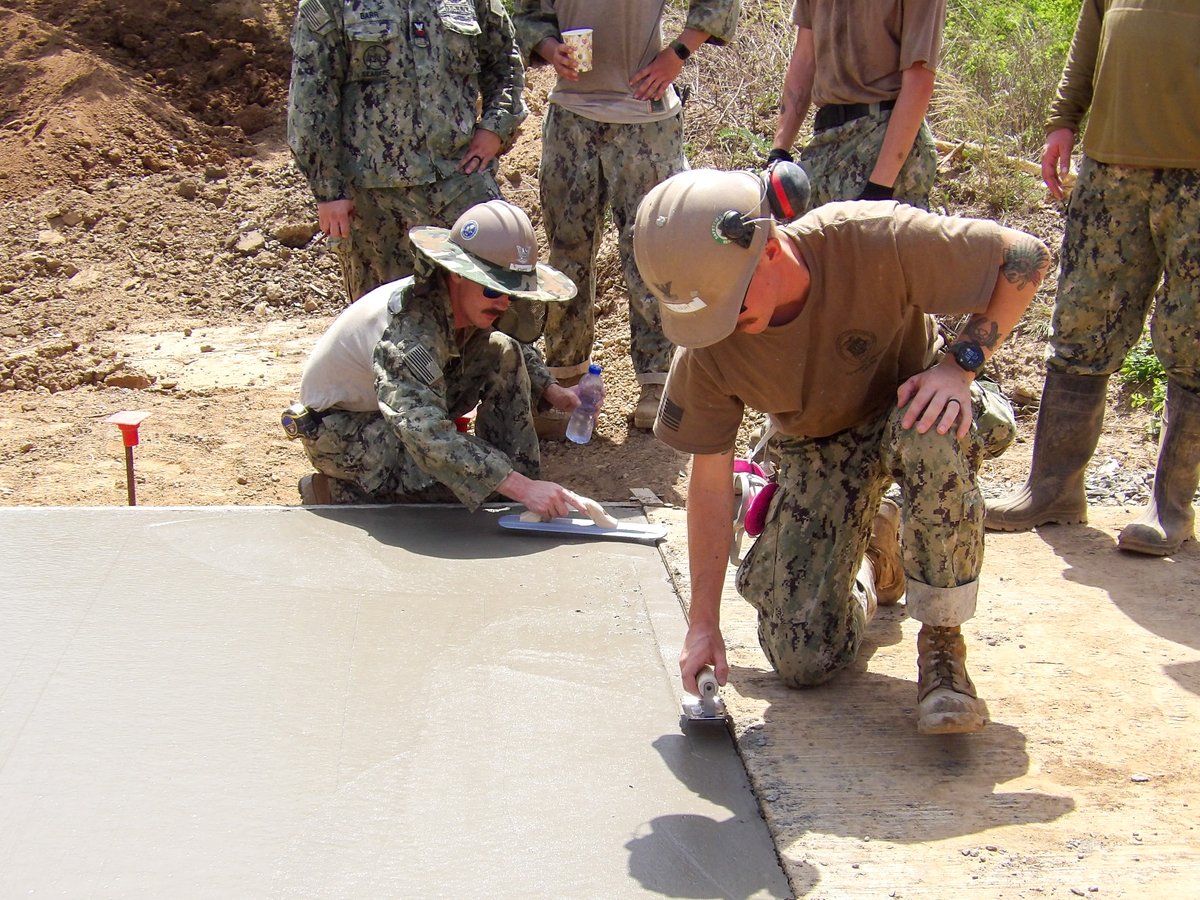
(378, 250)
(800, 573)
(412, 452)
(587, 168)
(1126, 227)
(839, 161)
(382, 108)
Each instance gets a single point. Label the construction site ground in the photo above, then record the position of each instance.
(160, 254)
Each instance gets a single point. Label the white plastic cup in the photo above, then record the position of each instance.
(580, 41)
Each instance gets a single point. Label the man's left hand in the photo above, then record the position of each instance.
(482, 150)
(940, 396)
(651, 83)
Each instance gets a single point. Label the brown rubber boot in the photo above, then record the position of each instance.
(551, 424)
(946, 698)
(647, 406)
(1170, 519)
(1068, 427)
(314, 490)
(883, 551)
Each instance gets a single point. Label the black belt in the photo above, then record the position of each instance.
(836, 114)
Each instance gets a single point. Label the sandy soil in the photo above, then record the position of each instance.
(160, 254)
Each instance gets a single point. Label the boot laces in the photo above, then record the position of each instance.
(943, 664)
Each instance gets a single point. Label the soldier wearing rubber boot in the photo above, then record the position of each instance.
(825, 325)
(1130, 241)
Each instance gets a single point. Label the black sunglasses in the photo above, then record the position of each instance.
(493, 294)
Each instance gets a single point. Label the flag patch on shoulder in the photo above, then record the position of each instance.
(420, 362)
(670, 414)
(315, 16)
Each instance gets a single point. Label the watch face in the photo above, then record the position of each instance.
(969, 356)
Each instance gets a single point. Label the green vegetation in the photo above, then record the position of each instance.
(1142, 372)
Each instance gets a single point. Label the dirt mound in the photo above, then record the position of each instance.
(104, 87)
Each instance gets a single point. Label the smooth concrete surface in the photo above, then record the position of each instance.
(383, 702)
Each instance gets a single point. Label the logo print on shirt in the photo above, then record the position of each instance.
(670, 413)
(857, 347)
(375, 58)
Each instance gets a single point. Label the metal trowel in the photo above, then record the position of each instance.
(708, 706)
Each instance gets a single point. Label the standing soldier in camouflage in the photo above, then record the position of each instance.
(382, 120)
(824, 324)
(609, 135)
(1131, 234)
(385, 384)
(869, 66)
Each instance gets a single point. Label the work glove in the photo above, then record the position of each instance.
(777, 154)
(875, 191)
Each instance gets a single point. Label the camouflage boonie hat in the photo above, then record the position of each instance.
(493, 244)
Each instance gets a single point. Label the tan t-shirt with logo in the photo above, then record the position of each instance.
(863, 46)
(877, 270)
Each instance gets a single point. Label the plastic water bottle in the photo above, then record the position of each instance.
(591, 395)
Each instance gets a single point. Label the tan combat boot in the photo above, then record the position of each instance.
(946, 698)
(314, 490)
(883, 551)
(647, 406)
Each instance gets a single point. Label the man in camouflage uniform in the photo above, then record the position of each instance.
(824, 324)
(869, 66)
(609, 134)
(399, 366)
(382, 120)
(1131, 233)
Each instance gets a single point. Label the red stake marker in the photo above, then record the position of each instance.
(128, 421)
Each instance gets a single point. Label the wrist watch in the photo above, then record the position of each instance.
(968, 355)
(681, 50)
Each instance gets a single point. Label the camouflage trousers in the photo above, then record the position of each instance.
(1131, 238)
(369, 462)
(838, 162)
(800, 575)
(588, 168)
(378, 250)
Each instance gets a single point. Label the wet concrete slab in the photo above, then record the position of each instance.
(383, 702)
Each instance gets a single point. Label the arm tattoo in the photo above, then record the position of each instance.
(788, 100)
(1025, 263)
(983, 331)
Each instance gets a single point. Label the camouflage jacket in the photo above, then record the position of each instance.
(384, 92)
(420, 377)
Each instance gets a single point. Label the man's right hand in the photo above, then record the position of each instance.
(1056, 159)
(703, 646)
(333, 217)
(547, 499)
(561, 57)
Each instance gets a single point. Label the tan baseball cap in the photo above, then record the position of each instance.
(696, 271)
(493, 244)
